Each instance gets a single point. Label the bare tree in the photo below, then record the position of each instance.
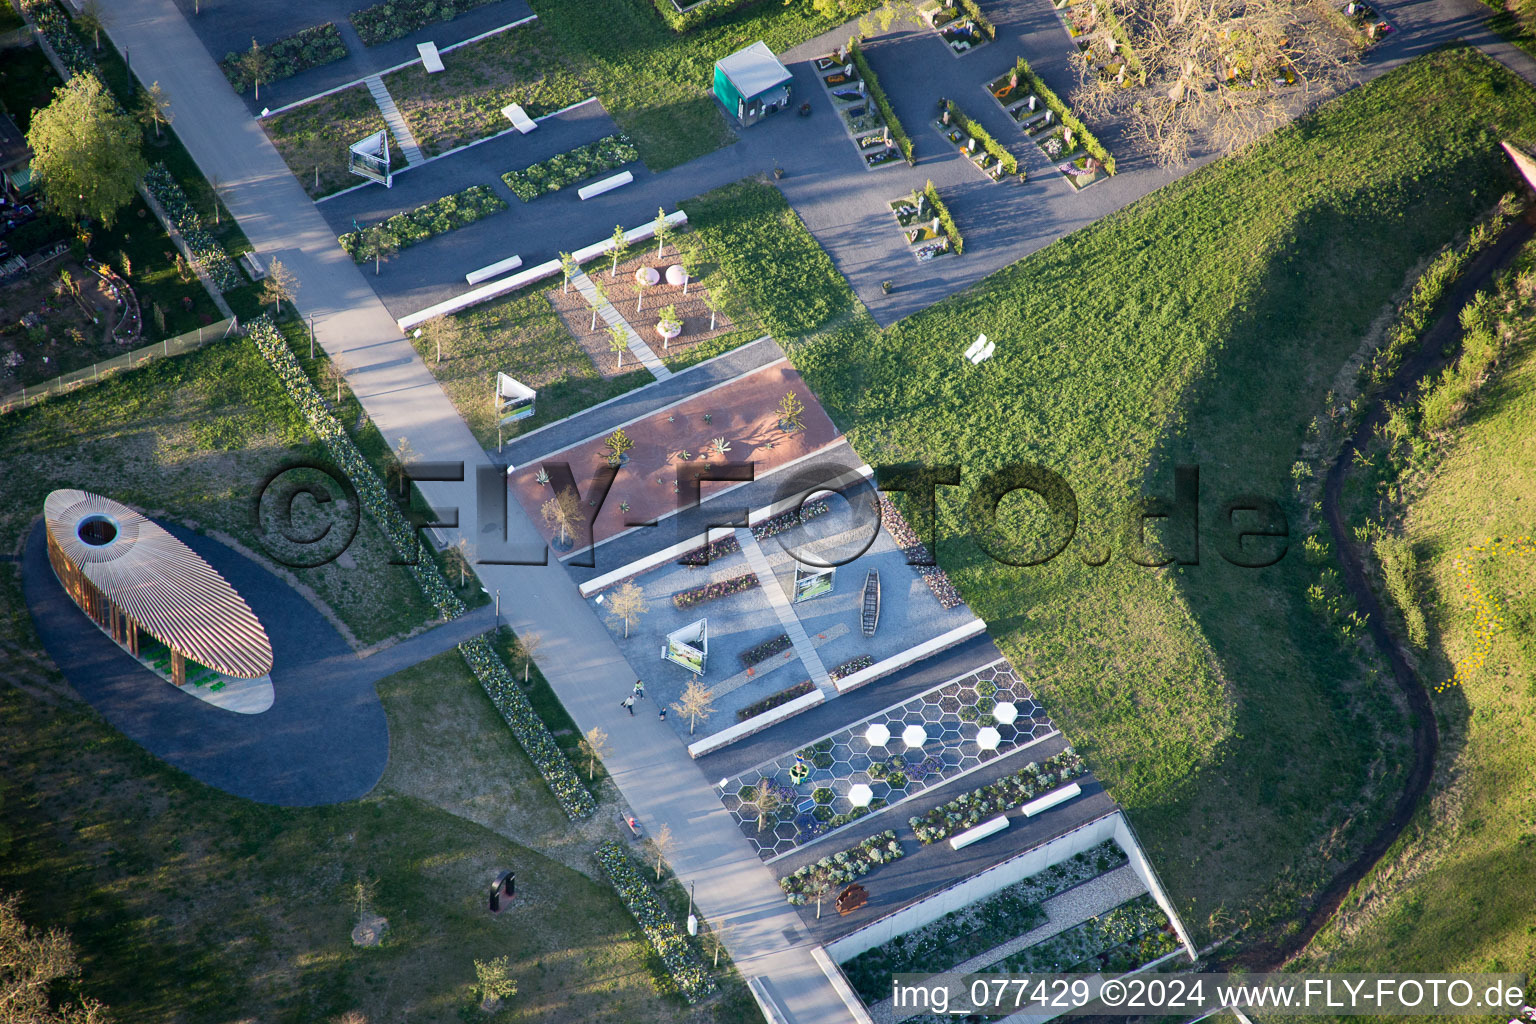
(404, 455)
(278, 285)
(333, 375)
(819, 883)
(594, 747)
(719, 935)
(663, 842)
(458, 558)
(445, 332)
(765, 797)
(527, 646)
(696, 702)
(30, 963)
(626, 605)
(154, 109)
(563, 513)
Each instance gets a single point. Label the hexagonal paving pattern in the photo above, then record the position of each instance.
(808, 788)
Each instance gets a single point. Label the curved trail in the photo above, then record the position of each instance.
(1430, 355)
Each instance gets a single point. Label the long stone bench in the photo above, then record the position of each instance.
(494, 270)
(597, 188)
(1051, 799)
(975, 835)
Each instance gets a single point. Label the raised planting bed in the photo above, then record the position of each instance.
(767, 649)
(974, 142)
(577, 165)
(1131, 935)
(971, 809)
(772, 701)
(1074, 163)
(898, 135)
(963, 27)
(849, 667)
(711, 591)
(917, 554)
(435, 218)
(395, 18)
(978, 927)
(288, 56)
(842, 868)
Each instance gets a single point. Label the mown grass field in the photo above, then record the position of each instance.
(1254, 748)
(1446, 897)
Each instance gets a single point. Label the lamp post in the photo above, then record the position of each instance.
(693, 922)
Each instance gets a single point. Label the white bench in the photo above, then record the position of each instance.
(494, 270)
(430, 59)
(253, 268)
(597, 188)
(980, 832)
(519, 118)
(1051, 799)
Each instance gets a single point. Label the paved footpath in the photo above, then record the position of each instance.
(580, 659)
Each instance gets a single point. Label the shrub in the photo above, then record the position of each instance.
(568, 168)
(679, 958)
(845, 867)
(970, 809)
(850, 666)
(395, 18)
(822, 795)
(946, 221)
(711, 591)
(1065, 115)
(708, 10)
(983, 23)
(765, 650)
(314, 46)
(770, 702)
(877, 94)
(435, 218)
(1399, 571)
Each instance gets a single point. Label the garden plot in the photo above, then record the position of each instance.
(1027, 109)
(925, 241)
(953, 24)
(857, 111)
(705, 328)
(1063, 146)
(1132, 935)
(1058, 142)
(889, 757)
(973, 143)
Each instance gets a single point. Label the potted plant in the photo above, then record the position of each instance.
(669, 326)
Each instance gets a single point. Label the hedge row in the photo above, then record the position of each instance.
(710, 591)
(589, 161)
(772, 701)
(677, 955)
(1009, 162)
(898, 133)
(845, 867)
(1065, 115)
(52, 22)
(971, 809)
(528, 728)
(314, 46)
(435, 218)
(947, 222)
(983, 23)
(204, 248)
(395, 18)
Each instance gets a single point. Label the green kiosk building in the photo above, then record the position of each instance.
(751, 83)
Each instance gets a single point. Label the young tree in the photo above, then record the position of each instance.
(527, 646)
(458, 558)
(254, 65)
(405, 454)
(818, 883)
(154, 109)
(663, 842)
(85, 153)
(89, 19)
(494, 982)
(626, 605)
(696, 702)
(365, 891)
(594, 747)
(213, 185)
(791, 410)
(445, 332)
(333, 375)
(568, 266)
(719, 935)
(765, 797)
(620, 249)
(597, 299)
(31, 962)
(617, 444)
(618, 342)
(661, 228)
(378, 244)
(563, 513)
(278, 285)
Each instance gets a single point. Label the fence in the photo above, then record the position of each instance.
(176, 346)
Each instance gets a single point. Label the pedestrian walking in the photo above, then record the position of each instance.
(639, 690)
(663, 715)
(628, 704)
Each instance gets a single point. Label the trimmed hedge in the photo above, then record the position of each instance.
(772, 701)
(971, 809)
(395, 18)
(677, 955)
(711, 591)
(205, 249)
(767, 649)
(845, 867)
(589, 161)
(1064, 113)
(435, 218)
(1009, 162)
(947, 222)
(898, 133)
(314, 46)
(682, 21)
(983, 23)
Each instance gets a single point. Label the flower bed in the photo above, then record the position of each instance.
(789, 520)
(1006, 160)
(877, 94)
(843, 868)
(774, 700)
(849, 667)
(711, 591)
(917, 554)
(707, 553)
(765, 650)
(1029, 80)
(395, 18)
(314, 46)
(1133, 930)
(677, 955)
(208, 253)
(435, 218)
(54, 25)
(579, 164)
(971, 809)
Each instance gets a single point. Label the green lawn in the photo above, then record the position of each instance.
(1442, 898)
(1203, 324)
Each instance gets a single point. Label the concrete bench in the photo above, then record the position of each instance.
(430, 58)
(597, 188)
(1051, 799)
(980, 832)
(253, 268)
(494, 270)
(519, 118)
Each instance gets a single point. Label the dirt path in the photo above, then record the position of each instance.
(1428, 359)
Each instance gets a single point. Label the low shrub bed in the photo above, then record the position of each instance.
(1133, 930)
(765, 650)
(205, 249)
(583, 162)
(789, 520)
(395, 18)
(946, 221)
(1007, 160)
(1064, 114)
(877, 94)
(971, 809)
(286, 57)
(851, 666)
(774, 700)
(707, 553)
(682, 962)
(711, 591)
(843, 868)
(54, 25)
(435, 218)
